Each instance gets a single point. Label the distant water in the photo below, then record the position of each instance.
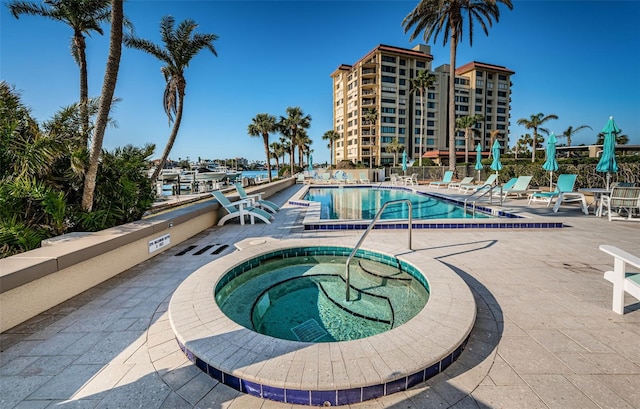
(251, 174)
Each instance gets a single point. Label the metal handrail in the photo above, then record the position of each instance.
(483, 193)
(366, 232)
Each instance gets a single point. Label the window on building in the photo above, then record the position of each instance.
(478, 108)
(403, 61)
(388, 68)
(402, 121)
(431, 95)
(479, 74)
(431, 141)
(402, 81)
(502, 77)
(431, 123)
(502, 86)
(388, 120)
(388, 100)
(402, 131)
(479, 83)
(490, 93)
(402, 111)
(420, 64)
(431, 104)
(388, 129)
(478, 90)
(403, 71)
(388, 58)
(502, 110)
(388, 79)
(502, 94)
(431, 132)
(402, 92)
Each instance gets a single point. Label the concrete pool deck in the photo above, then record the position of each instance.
(545, 335)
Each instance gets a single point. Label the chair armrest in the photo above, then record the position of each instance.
(621, 255)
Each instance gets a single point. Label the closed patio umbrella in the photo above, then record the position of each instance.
(551, 164)
(479, 166)
(607, 161)
(310, 163)
(495, 151)
(404, 162)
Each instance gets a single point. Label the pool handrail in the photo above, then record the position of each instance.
(369, 228)
(482, 191)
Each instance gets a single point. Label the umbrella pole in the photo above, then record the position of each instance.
(551, 182)
(608, 179)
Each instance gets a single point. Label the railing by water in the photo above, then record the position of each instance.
(482, 192)
(366, 232)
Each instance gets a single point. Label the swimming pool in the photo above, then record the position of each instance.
(364, 203)
(501, 218)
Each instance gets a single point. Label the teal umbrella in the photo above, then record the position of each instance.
(478, 166)
(310, 163)
(607, 161)
(551, 164)
(495, 151)
(404, 161)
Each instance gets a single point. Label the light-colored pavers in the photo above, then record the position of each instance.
(545, 334)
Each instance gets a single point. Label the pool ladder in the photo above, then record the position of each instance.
(483, 192)
(366, 232)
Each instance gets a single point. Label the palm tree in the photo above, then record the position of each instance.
(290, 125)
(180, 46)
(620, 139)
(534, 122)
(371, 117)
(83, 16)
(395, 146)
(263, 125)
(277, 150)
(467, 123)
(304, 144)
(447, 16)
(331, 136)
(569, 132)
(420, 84)
(108, 89)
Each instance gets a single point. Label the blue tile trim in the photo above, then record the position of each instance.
(326, 397)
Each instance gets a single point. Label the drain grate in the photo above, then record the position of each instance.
(219, 248)
(185, 251)
(308, 331)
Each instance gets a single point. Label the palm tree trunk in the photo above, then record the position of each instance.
(265, 139)
(534, 143)
(421, 122)
(452, 100)
(79, 41)
(172, 138)
(466, 145)
(108, 89)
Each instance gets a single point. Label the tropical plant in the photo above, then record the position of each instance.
(570, 131)
(467, 123)
(276, 149)
(289, 126)
(620, 139)
(106, 98)
(395, 146)
(448, 17)
(420, 84)
(534, 122)
(522, 145)
(371, 117)
(263, 125)
(181, 44)
(303, 142)
(331, 136)
(84, 17)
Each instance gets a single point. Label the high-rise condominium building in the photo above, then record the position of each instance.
(374, 103)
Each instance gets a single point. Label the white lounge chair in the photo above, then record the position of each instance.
(623, 280)
(472, 188)
(519, 188)
(240, 209)
(257, 199)
(446, 179)
(364, 178)
(456, 185)
(622, 198)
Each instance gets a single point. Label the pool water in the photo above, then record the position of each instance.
(364, 203)
(302, 298)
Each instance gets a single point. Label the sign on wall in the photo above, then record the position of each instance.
(160, 242)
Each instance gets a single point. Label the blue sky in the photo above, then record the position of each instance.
(579, 60)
